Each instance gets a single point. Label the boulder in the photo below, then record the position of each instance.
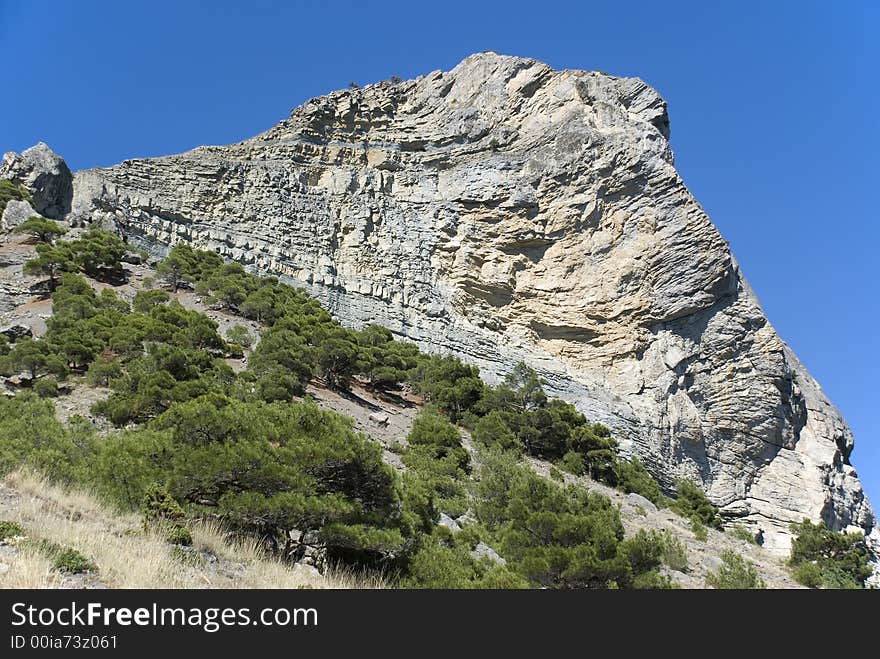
(449, 523)
(15, 213)
(642, 502)
(45, 175)
(380, 418)
(132, 258)
(482, 550)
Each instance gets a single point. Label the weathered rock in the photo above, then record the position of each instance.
(482, 550)
(16, 332)
(467, 518)
(641, 502)
(712, 563)
(380, 418)
(504, 211)
(132, 258)
(682, 579)
(45, 175)
(449, 523)
(15, 213)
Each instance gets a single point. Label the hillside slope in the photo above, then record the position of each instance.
(127, 556)
(124, 555)
(504, 211)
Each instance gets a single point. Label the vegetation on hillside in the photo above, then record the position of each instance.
(41, 229)
(196, 441)
(735, 573)
(821, 558)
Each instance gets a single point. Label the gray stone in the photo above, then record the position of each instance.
(449, 523)
(639, 500)
(682, 579)
(15, 213)
(466, 519)
(482, 550)
(45, 175)
(712, 563)
(132, 258)
(506, 212)
(380, 418)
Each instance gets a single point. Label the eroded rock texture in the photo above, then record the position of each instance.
(504, 211)
(45, 175)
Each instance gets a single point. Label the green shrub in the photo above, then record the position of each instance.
(699, 529)
(70, 560)
(436, 565)
(573, 463)
(46, 388)
(31, 435)
(145, 301)
(492, 430)
(559, 536)
(240, 335)
(809, 575)
(434, 437)
(674, 552)
(64, 559)
(631, 476)
(10, 530)
(266, 469)
(735, 573)
(159, 505)
(839, 560)
(653, 580)
(644, 550)
(501, 577)
(104, 369)
(453, 386)
(742, 533)
(692, 503)
(598, 450)
(470, 536)
(177, 534)
(98, 253)
(439, 566)
(187, 555)
(43, 230)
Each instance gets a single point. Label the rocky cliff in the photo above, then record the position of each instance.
(505, 211)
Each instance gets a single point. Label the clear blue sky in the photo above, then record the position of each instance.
(774, 111)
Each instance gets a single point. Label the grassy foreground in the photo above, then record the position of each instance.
(126, 556)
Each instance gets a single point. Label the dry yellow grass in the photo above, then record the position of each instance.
(28, 569)
(127, 557)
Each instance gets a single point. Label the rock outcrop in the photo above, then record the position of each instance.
(15, 213)
(505, 211)
(45, 174)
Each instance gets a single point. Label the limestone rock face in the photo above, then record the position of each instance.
(45, 175)
(505, 211)
(15, 213)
